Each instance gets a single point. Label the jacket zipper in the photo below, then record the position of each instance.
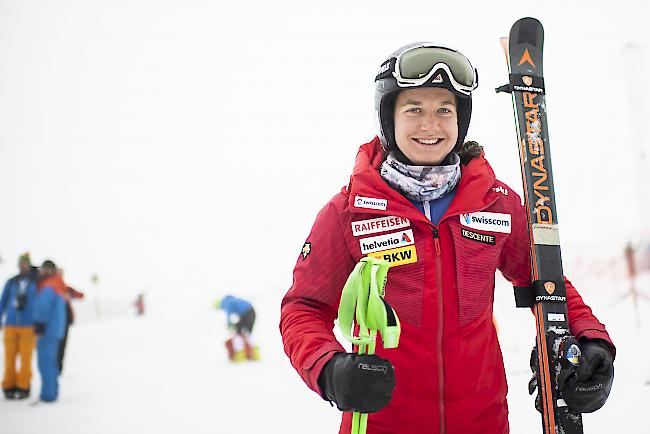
(441, 378)
(436, 243)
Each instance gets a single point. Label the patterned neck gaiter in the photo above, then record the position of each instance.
(421, 183)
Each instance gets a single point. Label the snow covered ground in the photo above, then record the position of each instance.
(168, 374)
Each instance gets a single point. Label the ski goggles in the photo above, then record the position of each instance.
(417, 66)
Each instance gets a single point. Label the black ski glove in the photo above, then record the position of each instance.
(358, 382)
(585, 387)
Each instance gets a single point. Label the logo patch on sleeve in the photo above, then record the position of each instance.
(396, 257)
(481, 238)
(386, 241)
(370, 203)
(306, 250)
(487, 221)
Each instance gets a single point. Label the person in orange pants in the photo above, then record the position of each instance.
(19, 342)
(17, 310)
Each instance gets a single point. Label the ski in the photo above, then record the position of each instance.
(547, 295)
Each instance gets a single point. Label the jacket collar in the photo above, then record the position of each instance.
(474, 191)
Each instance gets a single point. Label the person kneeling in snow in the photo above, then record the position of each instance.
(241, 318)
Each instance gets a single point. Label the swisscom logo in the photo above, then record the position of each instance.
(487, 221)
(370, 202)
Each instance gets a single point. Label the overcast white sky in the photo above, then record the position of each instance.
(185, 147)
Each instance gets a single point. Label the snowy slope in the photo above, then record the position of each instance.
(165, 374)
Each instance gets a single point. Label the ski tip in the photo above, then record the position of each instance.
(503, 40)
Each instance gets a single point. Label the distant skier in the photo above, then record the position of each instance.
(240, 316)
(17, 308)
(139, 304)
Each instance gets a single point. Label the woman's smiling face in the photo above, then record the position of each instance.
(426, 124)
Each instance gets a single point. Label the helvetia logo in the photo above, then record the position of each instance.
(387, 241)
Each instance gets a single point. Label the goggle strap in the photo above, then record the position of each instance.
(386, 69)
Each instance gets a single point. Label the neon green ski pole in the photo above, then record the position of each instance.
(362, 302)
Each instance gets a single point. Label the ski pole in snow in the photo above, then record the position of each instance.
(362, 302)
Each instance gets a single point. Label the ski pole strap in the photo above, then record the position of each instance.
(546, 291)
(362, 300)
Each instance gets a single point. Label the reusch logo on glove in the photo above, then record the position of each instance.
(593, 388)
(375, 368)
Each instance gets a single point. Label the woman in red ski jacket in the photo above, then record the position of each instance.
(429, 204)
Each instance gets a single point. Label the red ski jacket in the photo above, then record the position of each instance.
(448, 367)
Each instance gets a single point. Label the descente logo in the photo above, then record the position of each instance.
(370, 202)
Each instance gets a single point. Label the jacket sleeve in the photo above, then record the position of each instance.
(515, 264)
(310, 306)
(73, 293)
(4, 300)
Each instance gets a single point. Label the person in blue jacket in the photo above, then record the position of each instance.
(240, 316)
(17, 308)
(49, 326)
